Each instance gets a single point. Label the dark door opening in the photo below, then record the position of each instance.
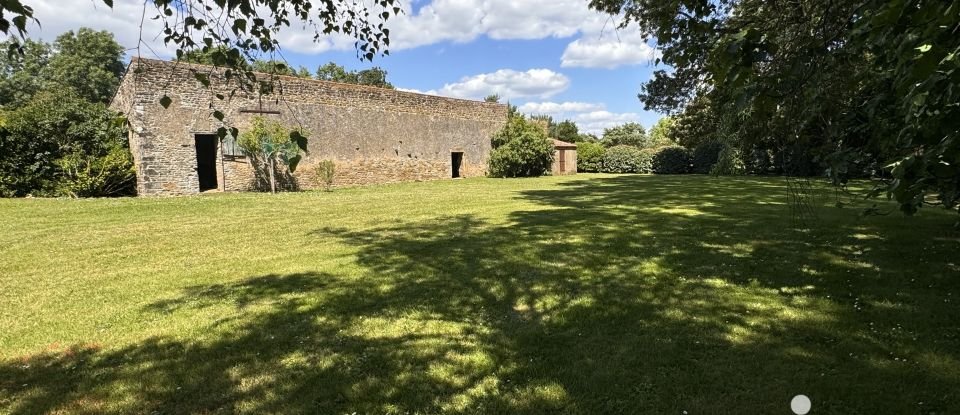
(456, 160)
(206, 160)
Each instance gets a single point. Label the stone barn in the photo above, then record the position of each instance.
(373, 135)
(564, 158)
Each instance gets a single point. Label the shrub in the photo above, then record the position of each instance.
(630, 134)
(729, 163)
(590, 157)
(516, 127)
(274, 152)
(521, 149)
(86, 175)
(706, 155)
(799, 160)
(325, 171)
(672, 160)
(758, 161)
(48, 145)
(623, 159)
(646, 160)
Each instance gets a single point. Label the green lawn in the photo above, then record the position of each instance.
(587, 294)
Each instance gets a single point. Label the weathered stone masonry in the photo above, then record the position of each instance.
(373, 135)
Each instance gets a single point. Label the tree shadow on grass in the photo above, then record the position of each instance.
(621, 295)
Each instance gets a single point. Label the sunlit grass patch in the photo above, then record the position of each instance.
(583, 294)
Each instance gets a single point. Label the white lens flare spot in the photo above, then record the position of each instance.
(800, 404)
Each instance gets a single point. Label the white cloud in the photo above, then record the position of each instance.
(558, 108)
(508, 83)
(123, 20)
(608, 51)
(590, 117)
(596, 121)
(459, 21)
(465, 20)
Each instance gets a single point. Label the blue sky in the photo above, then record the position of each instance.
(546, 56)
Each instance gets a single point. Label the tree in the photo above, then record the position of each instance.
(21, 74)
(373, 77)
(543, 120)
(494, 98)
(630, 134)
(270, 144)
(849, 83)
(661, 134)
(58, 137)
(520, 149)
(698, 123)
(278, 67)
(566, 130)
(587, 138)
(335, 73)
(89, 61)
(61, 144)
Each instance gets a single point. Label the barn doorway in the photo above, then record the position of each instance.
(456, 160)
(206, 145)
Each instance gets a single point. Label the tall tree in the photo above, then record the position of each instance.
(335, 73)
(88, 61)
(851, 83)
(21, 74)
(375, 76)
(565, 130)
(278, 67)
(631, 134)
(661, 134)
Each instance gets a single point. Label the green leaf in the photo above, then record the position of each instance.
(109, 3)
(239, 25)
(203, 78)
(293, 162)
(299, 139)
(165, 101)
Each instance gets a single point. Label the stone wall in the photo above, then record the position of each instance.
(373, 135)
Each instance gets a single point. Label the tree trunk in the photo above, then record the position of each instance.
(273, 181)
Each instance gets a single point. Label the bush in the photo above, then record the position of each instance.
(623, 159)
(517, 126)
(325, 171)
(758, 161)
(706, 155)
(672, 160)
(60, 145)
(85, 175)
(798, 160)
(273, 152)
(729, 163)
(590, 157)
(522, 149)
(646, 160)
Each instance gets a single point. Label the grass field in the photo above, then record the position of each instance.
(587, 294)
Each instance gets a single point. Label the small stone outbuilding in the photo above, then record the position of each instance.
(373, 135)
(564, 158)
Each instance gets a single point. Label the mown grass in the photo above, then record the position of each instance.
(587, 294)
